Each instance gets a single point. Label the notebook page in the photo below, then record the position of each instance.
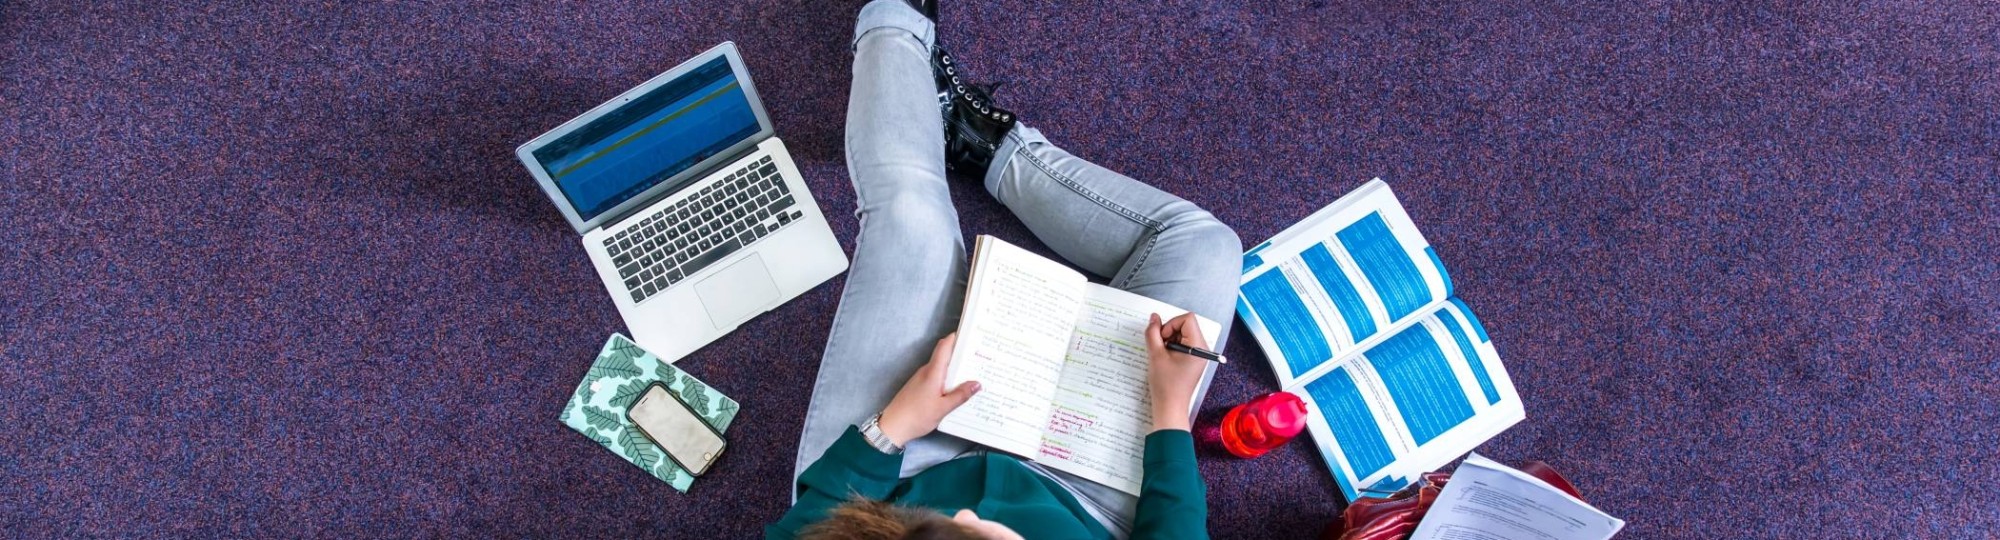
(1102, 409)
(1018, 311)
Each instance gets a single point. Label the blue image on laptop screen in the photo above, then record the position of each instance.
(650, 139)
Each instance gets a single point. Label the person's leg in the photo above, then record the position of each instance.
(1147, 241)
(908, 274)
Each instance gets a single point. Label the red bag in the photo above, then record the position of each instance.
(1395, 517)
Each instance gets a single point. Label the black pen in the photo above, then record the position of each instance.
(1197, 352)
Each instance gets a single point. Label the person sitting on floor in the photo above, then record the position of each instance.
(892, 477)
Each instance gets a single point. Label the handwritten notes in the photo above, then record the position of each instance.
(1102, 412)
(1062, 363)
(1017, 319)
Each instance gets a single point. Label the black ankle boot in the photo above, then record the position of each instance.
(943, 68)
(974, 126)
(927, 7)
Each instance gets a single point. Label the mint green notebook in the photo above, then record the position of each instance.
(621, 373)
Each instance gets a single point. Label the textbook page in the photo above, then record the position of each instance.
(1427, 393)
(1019, 308)
(1338, 281)
(1488, 501)
(1102, 407)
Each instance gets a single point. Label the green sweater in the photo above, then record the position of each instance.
(1172, 499)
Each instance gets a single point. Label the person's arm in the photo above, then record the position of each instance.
(852, 468)
(1173, 503)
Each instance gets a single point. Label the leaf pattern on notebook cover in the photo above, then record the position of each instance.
(618, 376)
(698, 401)
(627, 349)
(615, 364)
(625, 395)
(672, 379)
(594, 436)
(583, 390)
(601, 419)
(642, 451)
(666, 470)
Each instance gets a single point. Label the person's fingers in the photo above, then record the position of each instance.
(940, 359)
(958, 396)
(1188, 330)
(942, 354)
(933, 372)
(1154, 340)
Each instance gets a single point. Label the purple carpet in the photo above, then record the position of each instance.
(274, 271)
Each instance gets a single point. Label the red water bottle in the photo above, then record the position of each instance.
(1263, 423)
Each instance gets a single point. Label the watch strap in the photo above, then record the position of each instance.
(871, 431)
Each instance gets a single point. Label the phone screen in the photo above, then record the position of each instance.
(670, 424)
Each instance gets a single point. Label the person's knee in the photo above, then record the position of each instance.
(911, 209)
(1212, 243)
(1209, 232)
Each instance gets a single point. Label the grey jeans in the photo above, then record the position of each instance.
(908, 272)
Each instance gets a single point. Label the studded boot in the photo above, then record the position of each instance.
(974, 126)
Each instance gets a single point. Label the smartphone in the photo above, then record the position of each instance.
(667, 421)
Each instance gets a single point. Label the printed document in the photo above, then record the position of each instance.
(1488, 501)
(1358, 317)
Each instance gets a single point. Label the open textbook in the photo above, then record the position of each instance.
(1061, 363)
(1357, 315)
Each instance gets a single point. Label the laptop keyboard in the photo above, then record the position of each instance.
(679, 241)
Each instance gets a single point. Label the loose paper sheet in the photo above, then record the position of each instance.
(1488, 501)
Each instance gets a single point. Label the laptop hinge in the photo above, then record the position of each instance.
(621, 216)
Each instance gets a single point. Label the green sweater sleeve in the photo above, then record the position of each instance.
(1173, 503)
(850, 468)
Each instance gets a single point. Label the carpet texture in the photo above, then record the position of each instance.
(270, 269)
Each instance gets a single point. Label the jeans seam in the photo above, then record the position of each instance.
(1151, 242)
(855, 46)
(1092, 196)
(925, 38)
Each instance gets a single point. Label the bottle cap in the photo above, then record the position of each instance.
(1286, 414)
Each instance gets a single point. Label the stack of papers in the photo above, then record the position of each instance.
(1488, 501)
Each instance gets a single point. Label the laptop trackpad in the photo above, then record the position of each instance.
(737, 292)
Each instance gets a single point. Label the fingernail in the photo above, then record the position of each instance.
(975, 387)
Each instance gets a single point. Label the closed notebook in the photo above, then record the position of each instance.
(618, 377)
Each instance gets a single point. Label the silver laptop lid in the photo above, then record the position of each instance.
(650, 141)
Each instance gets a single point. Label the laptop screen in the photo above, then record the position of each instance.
(650, 139)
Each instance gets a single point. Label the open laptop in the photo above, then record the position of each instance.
(689, 206)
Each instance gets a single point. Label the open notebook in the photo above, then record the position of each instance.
(1061, 363)
(1357, 315)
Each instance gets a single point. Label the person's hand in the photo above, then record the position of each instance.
(1173, 376)
(985, 528)
(923, 401)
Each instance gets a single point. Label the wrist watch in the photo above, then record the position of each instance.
(872, 431)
